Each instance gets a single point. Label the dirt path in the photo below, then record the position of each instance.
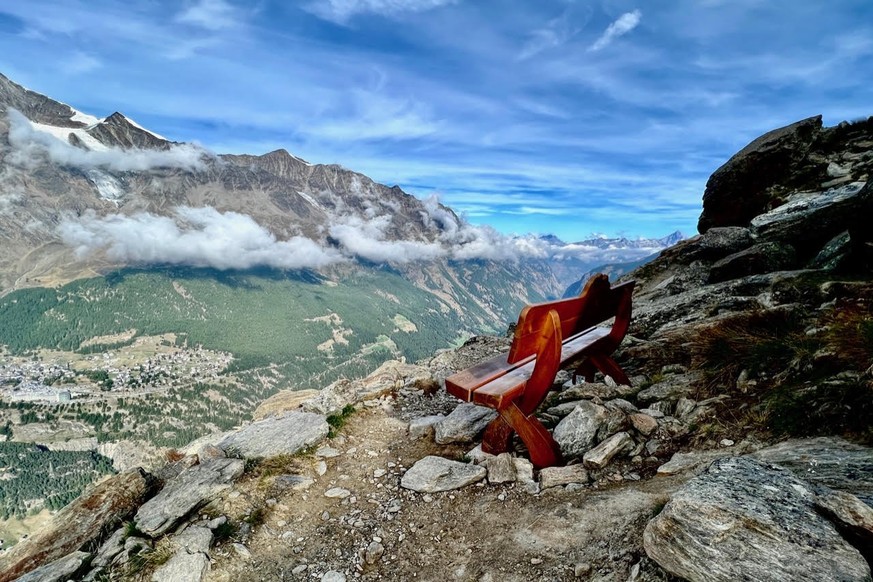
(382, 532)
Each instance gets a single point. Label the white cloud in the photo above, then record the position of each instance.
(209, 14)
(199, 237)
(81, 62)
(623, 25)
(367, 239)
(30, 146)
(341, 11)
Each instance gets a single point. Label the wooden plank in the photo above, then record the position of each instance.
(463, 383)
(510, 385)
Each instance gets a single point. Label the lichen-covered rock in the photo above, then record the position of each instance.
(463, 424)
(282, 435)
(670, 389)
(577, 432)
(432, 474)
(424, 426)
(192, 489)
(92, 515)
(557, 476)
(744, 520)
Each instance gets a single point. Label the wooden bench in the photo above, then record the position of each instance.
(548, 336)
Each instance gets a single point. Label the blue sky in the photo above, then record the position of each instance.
(570, 117)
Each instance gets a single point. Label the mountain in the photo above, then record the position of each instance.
(613, 270)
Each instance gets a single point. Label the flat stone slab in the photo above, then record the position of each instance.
(744, 520)
(192, 489)
(432, 474)
(183, 566)
(602, 454)
(282, 435)
(557, 476)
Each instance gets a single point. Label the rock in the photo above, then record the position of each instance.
(741, 188)
(424, 426)
(374, 552)
(463, 424)
(282, 402)
(432, 474)
(242, 551)
(830, 461)
(726, 442)
(97, 511)
(557, 476)
(477, 455)
(524, 474)
(808, 220)
(620, 404)
(209, 452)
(683, 462)
(591, 390)
(111, 547)
(293, 482)
(337, 493)
(662, 406)
(763, 257)
(59, 570)
(333, 576)
(616, 421)
(853, 517)
(719, 242)
(287, 434)
(653, 412)
(501, 469)
(193, 539)
(326, 452)
(643, 423)
(183, 566)
(190, 490)
(744, 520)
(217, 522)
(833, 252)
(671, 389)
(563, 409)
(684, 407)
(333, 398)
(577, 432)
(602, 454)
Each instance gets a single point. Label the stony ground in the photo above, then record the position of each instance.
(355, 518)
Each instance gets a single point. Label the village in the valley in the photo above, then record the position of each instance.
(148, 364)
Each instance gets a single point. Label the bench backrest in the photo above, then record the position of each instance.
(598, 302)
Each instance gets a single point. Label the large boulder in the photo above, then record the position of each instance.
(282, 402)
(830, 461)
(748, 184)
(60, 570)
(744, 520)
(84, 521)
(273, 436)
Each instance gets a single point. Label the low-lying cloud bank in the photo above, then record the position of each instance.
(198, 237)
(31, 146)
(206, 237)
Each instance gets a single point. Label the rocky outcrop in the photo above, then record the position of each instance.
(82, 522)
(282, 402)
(744, 520)
(744, 186)
(464, 424)
(192, 489)
(60, 570)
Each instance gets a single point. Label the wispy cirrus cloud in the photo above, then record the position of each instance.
(341, 11)
(212, 15)
(622, 25)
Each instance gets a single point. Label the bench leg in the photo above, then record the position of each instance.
(543, 450)
(586, 369)
(497, 437)
(608, 366)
